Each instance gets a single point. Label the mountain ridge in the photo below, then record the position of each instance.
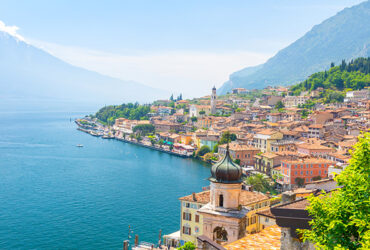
(345, 35)
(30, 72)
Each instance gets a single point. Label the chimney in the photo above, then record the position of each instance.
(194, 198)
(288, 196)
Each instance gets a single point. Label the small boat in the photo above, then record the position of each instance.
(79, 145)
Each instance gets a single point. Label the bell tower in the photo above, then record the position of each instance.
(213, 100)
(223, 217)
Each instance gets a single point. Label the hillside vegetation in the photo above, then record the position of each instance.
(132, 111)
(337, 80)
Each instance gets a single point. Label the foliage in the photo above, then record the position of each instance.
(299, 181)
(237, 161)
(316, 178)
(144, 129)
(215, 148)
(130, 111)
(194, 119)
(259, 183)
(187, 246)
(354, 75)
(227, 137)
(279, 105)
(203, 150)
(202, 112)
(341, 219)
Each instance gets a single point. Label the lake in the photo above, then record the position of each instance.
(56, 195)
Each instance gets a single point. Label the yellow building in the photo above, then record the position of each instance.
(186, 139)
(263, 139)
(191, 224)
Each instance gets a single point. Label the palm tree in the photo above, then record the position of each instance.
(258, 182)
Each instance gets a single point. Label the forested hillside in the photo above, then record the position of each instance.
(130, 111)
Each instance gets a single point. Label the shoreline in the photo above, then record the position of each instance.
(96, 134)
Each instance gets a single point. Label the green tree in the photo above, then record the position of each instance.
(187, 246)
(203, 150)
(279, 105)
(144, 129)
(194, 119)
(171, 97)
(215, 148)
(237, 161)
(202, 112)
(258, 182)
(299, 181)
(341, 219)
(227, 137)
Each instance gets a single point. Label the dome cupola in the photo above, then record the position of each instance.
(226, 171)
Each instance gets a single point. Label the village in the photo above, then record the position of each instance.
(295, 144)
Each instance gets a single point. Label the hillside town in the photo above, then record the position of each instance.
(269, 133)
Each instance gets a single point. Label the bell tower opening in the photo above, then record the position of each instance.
(221, 201)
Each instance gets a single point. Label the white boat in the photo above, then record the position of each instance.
(79, 145)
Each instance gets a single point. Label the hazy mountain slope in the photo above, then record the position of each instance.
(30, 73)
(343, 36)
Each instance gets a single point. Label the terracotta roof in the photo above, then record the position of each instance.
(299, 204)
(269, 238)
(238, 147)
(313, 146)
(246, 197)
(316, 126)
(267, 132)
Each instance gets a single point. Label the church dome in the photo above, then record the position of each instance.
(226, 171)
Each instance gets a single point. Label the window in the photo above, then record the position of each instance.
(196, 229)
(186, 216)
(319, 171)
(311, 172)
(187, 204)
(221, 201)
(197, 218)
(266, 219)
(295, 172)
(186, 230)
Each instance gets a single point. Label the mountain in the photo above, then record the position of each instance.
(29, 73)
(343, 36)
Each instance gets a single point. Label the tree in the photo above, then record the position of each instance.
(299, 181)
(215, 148)
(341, 219)
(202, 112)
(161, 142)
(227, 137)
(144, 129)
(237, 161)
(316, 178)
(171, 97)
(187, 246)
(194, 119)
(204, 150)
(258, 182)
(279, 105)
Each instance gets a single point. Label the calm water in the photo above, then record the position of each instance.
(56, 195)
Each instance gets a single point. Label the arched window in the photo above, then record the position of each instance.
(221, 200)
(220, 234)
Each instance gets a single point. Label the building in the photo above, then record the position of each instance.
(245, 153)
(213, 100)
(294, 101)
(314, 149)
(304, 168)
(263, 139)
(197, 110)
(240, 91)
(231, 212)
(191, 221)
(355, 96)
(316, 131)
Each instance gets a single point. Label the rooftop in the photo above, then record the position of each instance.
(269, 238)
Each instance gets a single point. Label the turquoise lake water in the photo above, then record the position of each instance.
(56, 195)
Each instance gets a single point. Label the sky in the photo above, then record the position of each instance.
(184, 46)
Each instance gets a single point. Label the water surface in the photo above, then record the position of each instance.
(56, 195)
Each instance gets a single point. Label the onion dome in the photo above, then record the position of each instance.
(226, 171)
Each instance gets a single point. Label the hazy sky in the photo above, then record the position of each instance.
(179, 45)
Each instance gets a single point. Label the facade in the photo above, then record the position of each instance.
(294, 101)
(306, 169)
(316, 131)
(213, 101)
(355, 96)
(245, 153)
(191, 223)
(263, 139)
(313, 149)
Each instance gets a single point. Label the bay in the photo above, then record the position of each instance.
(56, 195)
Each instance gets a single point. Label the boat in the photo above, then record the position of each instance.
(79, 145)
